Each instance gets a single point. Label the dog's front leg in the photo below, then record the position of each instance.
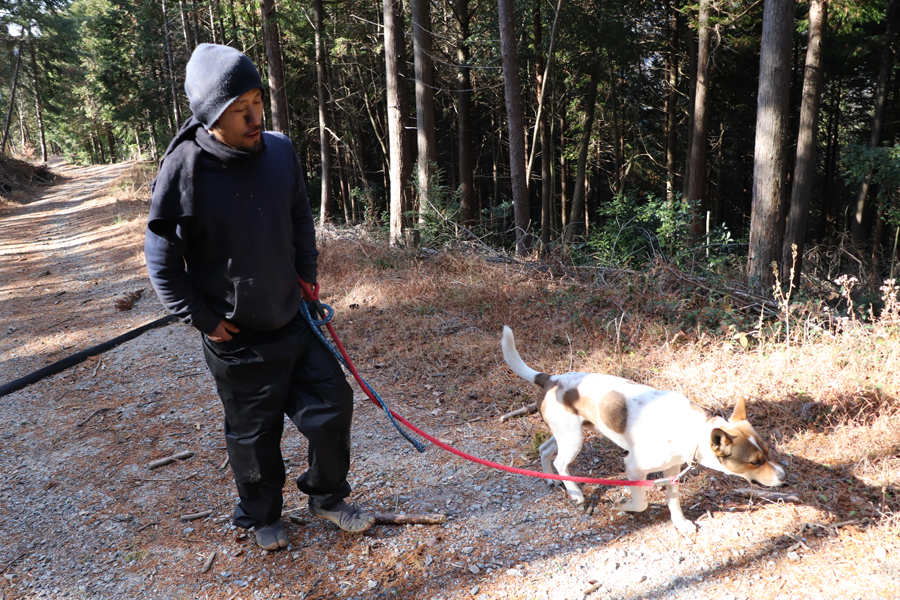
(683, 525)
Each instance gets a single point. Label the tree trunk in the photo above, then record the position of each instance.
(212, 23)
(37, 101)
(277, 94)
(766, 224)
(696, 191)
(426, 142)
(617, 133)
(563, 171)
(221, 23)
(188, 39)
(176, 109)
(12, 98)
(860, 220)
(543, 126)
(805, 165)
(671, 108)
(464, 115)
(394, 52)
(326, 201)
(515, 117)
(831, 159)
(234, 28)
(577, 217)
(692, 89)
(111, 142)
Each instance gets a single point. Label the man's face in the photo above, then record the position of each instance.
(240, 126)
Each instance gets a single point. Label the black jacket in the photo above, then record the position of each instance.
(229, 232)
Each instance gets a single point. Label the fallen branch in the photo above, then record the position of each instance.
(525, 410)
(764, 495)
(169, 459)
(209, 561)
(92, 415)
(195, 516)
(404, 519)
(12, 562)
(591, 589)
(143, 527)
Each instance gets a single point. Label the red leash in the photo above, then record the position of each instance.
(314, 294)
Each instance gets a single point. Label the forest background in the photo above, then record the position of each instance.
(657, 157)
(716, 135)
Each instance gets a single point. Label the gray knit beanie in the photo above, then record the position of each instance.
(216, 75)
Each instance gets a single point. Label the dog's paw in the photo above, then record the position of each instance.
(552, 483)
(629, 505)
(685, 527)
(577, 498)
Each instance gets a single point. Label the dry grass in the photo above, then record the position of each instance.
(828, 400)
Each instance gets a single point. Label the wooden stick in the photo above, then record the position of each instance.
(209, 561)
(12, 562)
(195, 516)
(525, 410)
(164, 461)
(404, 519)
(143, 527)
(224, 464)
(773, 496)
(591, 589)
(92, 415)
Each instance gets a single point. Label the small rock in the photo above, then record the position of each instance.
(428, 560)
(642, 579)
(515, 572)
(474, 590)
(432, 542)
(467, 550)
(880, 552)
(793, 556)
(372, 584)
(474, 569)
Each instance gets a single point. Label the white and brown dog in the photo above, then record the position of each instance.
(661, 430)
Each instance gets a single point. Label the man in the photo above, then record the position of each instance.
(229, 234)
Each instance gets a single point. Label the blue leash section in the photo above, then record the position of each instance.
(316, 325)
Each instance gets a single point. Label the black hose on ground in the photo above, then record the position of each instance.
(71, 361)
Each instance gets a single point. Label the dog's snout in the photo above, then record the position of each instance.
(779, 474)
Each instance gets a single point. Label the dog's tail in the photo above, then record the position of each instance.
(515, 362)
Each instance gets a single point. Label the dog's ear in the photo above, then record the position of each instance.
(740, 411)
(720, 442)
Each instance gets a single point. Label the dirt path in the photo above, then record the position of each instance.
(83, 516)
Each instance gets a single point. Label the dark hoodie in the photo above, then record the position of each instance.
(230, 231)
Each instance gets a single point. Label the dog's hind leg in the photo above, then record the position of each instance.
(683, 525)
(568, 447)
(638, 500)
(548, 452)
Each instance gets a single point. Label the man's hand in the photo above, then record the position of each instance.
(223, 332)
(317, 306)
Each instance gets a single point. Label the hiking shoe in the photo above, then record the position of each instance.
(271, 537)
(344, 516)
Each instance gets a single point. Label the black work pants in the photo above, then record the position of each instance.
(262, 376)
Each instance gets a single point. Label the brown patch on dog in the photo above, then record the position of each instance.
(542, 379)
(570, 399)
(611, 409)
